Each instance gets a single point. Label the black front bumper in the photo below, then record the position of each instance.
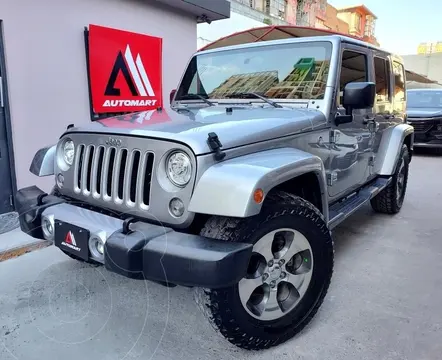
(146, 251)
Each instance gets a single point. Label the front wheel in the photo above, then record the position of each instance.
(287, 278)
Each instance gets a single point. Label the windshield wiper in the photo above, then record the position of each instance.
(196, 96)
(253, 94)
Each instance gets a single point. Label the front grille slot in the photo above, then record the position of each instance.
(121, 166)
(79, 166)
(148, 169)
(88, 166)
(109, 170)
(110, 174)
(134, 175)
(99, 175)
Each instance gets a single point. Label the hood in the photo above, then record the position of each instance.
(241, 126)
(423, 112)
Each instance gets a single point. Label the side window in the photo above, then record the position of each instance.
(382, 74)
(353, 69)
(399, 81)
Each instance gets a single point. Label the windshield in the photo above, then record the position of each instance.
(424, 99)
(288, 71)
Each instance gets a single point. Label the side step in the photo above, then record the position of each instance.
(343, 209)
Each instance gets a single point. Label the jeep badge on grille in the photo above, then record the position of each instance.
(113, 142)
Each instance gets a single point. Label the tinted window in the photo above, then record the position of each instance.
(382, 73)
(424, 99)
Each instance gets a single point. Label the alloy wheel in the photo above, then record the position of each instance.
(278, 275)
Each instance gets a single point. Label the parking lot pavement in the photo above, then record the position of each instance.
(384, 301)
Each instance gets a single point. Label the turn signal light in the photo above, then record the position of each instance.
(258, 196)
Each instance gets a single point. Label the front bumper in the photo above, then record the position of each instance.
(427, 133)
(429, 145)
(147, 251)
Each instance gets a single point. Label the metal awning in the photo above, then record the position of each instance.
(268, 33)
(415, 77)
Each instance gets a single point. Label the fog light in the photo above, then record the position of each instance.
(96, 247)
(47, 226)
(439, 127)
(100, 247)
(176, 207)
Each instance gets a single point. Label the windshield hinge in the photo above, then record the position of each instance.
(216, 146)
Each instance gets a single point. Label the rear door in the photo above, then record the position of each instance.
(384, 116)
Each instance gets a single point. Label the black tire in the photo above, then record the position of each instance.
(388, 201)
(223, 307)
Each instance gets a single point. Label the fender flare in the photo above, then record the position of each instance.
(389, 150)
(43, 163)
(227, 188)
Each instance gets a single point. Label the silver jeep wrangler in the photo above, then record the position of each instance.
(268, 147)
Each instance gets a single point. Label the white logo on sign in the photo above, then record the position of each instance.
(138, 73)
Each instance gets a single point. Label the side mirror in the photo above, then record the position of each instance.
(172, 95)
(357, 95)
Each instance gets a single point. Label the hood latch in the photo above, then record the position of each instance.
(216, 146)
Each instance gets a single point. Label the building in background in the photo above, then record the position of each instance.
(430, 48)
(361, 22)
(358, 21)
(333, 22)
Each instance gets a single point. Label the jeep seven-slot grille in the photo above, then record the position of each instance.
(120, 175)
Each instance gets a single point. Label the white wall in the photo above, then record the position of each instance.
(429, 65)
(208, 33)
(46, 65)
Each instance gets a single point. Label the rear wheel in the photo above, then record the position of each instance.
(390, 200)
(288, 275)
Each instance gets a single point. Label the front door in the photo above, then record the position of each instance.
(6, 204)
(351, 143)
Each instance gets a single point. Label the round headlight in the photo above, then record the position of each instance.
(68, 152)
(179, 168)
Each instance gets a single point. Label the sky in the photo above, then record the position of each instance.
(403, 24)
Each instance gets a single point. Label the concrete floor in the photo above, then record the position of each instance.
(384, 301)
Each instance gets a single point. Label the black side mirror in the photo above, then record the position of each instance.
(357, 95)
(172, 95)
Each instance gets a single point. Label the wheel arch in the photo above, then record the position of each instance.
(390, 148)
(227, 188)
(43, 162)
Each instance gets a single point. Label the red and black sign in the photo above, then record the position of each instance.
(125, 70)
